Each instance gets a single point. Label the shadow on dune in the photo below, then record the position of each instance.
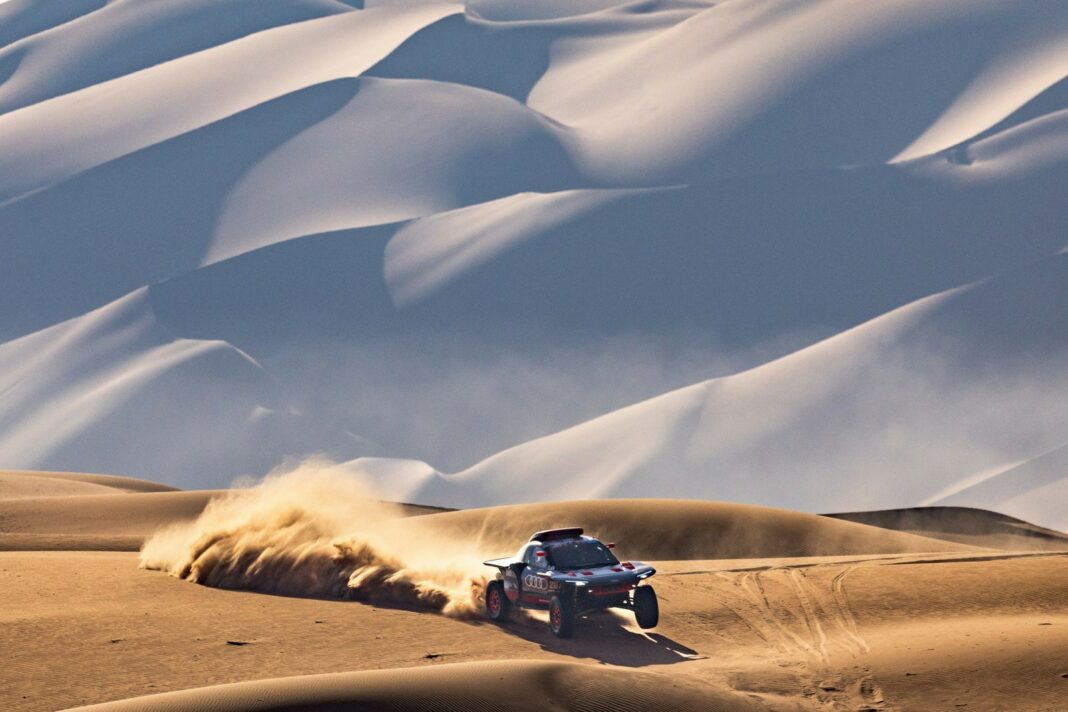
(461, 50)
(85, 241)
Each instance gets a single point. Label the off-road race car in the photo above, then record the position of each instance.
(569, 575)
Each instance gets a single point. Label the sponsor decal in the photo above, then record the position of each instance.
(534, 582)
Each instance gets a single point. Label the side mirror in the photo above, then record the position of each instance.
(611, 545)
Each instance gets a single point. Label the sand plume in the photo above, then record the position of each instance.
(316, 530)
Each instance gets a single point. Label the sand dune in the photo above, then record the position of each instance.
(1037, 484)
(21, 483)
(856, 418)
(761, 608)
(42, 149)
(975, 527)
(131, 368)
(122, 38)
(47, 510)
(22, 18)
(516, 149)
(652, 529)
(758, 94)
(42, 511)
(515, 686)
(915, 632)
(93, 521)
(715, 185)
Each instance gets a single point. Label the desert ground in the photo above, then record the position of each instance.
(761, 609)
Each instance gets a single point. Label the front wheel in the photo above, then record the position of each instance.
(561, 617)
(496, 602)
(646, 607)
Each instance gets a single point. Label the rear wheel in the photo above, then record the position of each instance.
(646, 607)
(496, 602)
(562, 616)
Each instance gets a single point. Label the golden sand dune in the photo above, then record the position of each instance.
(48, 511)
(94, 522)
(966, 525)
(72, 511)
(760, 609)
(904, 632)
(15, 484)
(683, 529)
(521, 686)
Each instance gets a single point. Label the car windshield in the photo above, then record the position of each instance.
(583, 554)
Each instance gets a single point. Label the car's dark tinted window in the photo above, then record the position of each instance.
(584, 554)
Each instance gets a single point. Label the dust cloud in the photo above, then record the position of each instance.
(317, 530)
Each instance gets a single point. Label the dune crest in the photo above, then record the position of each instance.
(316, 530)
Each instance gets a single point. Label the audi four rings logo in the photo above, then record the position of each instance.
(538, 582)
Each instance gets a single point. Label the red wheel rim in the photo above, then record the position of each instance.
(494, 601)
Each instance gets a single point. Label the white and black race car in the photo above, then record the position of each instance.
(568, 574)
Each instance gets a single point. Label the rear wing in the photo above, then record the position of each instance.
(501, 563)
(553, 534)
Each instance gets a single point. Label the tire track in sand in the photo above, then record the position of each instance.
(750, 603)
(787, 609)
(849, 621)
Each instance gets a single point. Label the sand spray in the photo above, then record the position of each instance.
(315, 529)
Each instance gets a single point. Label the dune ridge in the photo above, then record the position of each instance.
(657, 529)
(433, 192)
(754, 435)
(517, 686)
(26, 483)
(82, 519)
(965, 525)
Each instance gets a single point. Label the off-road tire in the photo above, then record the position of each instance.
(646, 607)
(497, 604)
(562, 616)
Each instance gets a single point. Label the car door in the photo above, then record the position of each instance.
(512, 576)
(535, 587)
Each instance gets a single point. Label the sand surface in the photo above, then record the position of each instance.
(808, 613)
(902, 632)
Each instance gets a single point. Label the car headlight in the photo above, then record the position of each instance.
(579, 583)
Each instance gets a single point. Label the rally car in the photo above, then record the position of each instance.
(568, 574)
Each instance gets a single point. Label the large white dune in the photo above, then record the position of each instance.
(399, 149)
(926, 403)
(114, 390)
(762, 85)
(697, 241)
(121, 38)
(42, 145)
